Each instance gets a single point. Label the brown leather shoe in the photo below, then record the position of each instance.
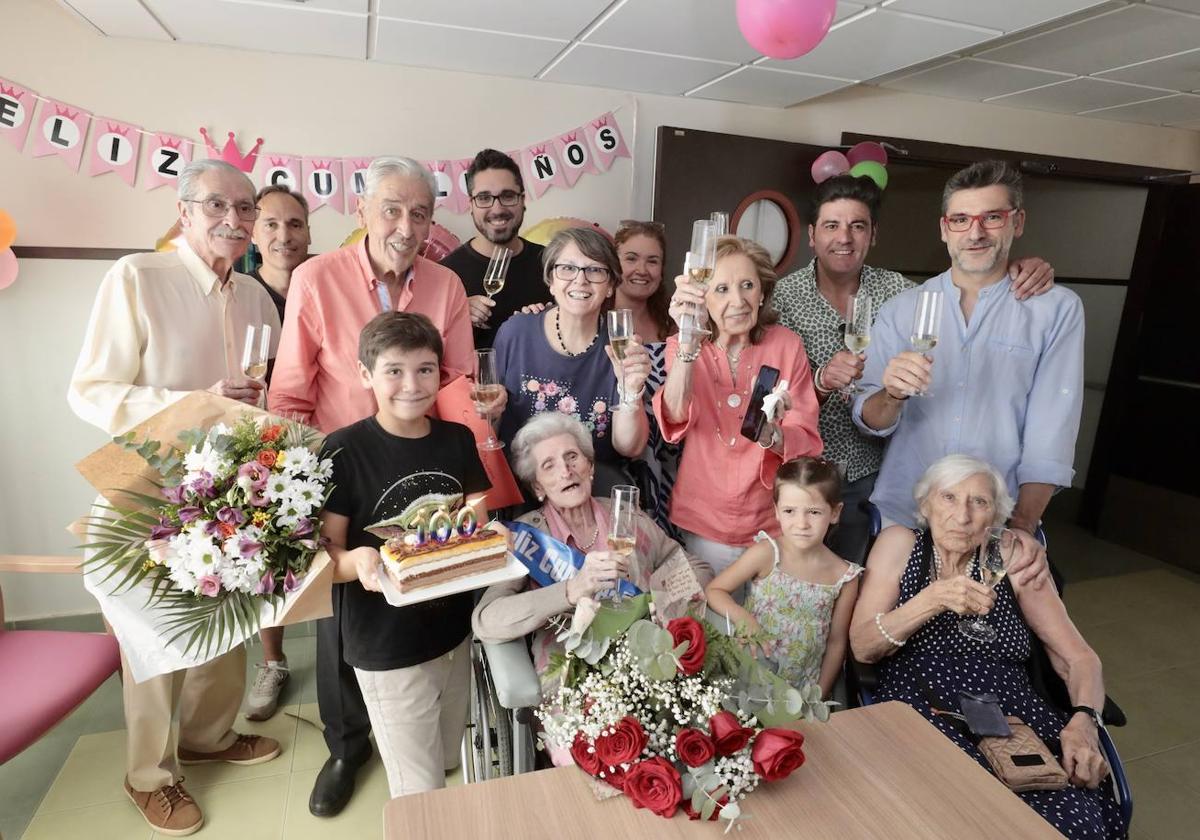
(247, 749)
(169, 810)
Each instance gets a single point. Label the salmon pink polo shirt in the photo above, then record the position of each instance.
(330, 299)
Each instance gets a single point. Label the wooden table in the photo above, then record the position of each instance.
(877, 772)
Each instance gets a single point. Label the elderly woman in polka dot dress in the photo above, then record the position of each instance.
(917, 587)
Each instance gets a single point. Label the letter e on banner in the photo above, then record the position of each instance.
(460, 199)
(114, 149)
(60, 132)
(604, 135)
(440, 169)
(16, 112)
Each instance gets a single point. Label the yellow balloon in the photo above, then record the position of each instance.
(8, 230)
(355, 237)
(544, 231)
(166, 242)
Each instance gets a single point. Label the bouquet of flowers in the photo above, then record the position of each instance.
(235, 526)
(674, 716)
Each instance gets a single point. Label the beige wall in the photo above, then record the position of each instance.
(332, 106)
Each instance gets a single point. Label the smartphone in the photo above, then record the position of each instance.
(754, 420)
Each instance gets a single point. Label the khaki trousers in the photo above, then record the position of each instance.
(206, 698)
(418, 715)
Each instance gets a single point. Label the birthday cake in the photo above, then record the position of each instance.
(438, 539)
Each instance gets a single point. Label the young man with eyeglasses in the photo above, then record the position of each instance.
(498, 209)
(1005, 382)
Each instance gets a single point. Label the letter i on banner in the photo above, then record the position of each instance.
(354, 176)
(16, 112)
(114, 148)
(574, 156)
(166, 155)
(460, 197)
(280, 170)
(323, 182)
(542, 168)
(61, 129)
(607, 143)
(440, 169)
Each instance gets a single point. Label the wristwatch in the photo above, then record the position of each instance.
(1090, 712)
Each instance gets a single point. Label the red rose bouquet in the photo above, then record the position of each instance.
(678, 718)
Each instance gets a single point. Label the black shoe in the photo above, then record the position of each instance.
(334, 786)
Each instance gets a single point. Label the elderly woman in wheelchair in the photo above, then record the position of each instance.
(553, 455)
(952, 636)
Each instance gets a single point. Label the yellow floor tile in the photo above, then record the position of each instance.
(362, 819)
(251, 809)
(309, 752)
(94, 773)
(111, 821)
(281, 727)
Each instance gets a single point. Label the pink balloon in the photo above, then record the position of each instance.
(439, 244)
(785, 28)
(867, 150)
(829, 164)
(8, 268)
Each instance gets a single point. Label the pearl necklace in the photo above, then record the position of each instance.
(936, 569)
(563, 344)
(592, 542)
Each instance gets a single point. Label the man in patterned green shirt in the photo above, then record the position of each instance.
(814, 301)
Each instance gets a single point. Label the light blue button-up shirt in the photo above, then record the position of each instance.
(1007, 388)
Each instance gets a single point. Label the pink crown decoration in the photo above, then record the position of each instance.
(277, 162)
(231, 154)
(538, 150)
(600, 123)
(64, 111)
(571, 136)
(322, 164)
(173, 142)
(11, 91)
(116, 129)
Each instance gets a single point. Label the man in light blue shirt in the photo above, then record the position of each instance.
(1005, 382)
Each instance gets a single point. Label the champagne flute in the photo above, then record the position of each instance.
(927, 322)
(622, 531)
(497, 270)
(485, 390)
(858, 331)
(700, 264)
(720, 222)
(256, 351)
(620, 333)
(994, 560)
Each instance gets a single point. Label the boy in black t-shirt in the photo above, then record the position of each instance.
(413, 663)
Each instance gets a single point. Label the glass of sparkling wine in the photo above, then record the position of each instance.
(256, 351)
(622, 532)
(701, 261)
(497, 270)
(620, 333)
(858, 331)
(927, 322)
(994, 559)
(485, 390)
(720, 220)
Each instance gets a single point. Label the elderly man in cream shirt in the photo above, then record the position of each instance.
(163, 325)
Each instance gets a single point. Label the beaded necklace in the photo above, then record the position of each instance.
(734, 399)
(563, 344)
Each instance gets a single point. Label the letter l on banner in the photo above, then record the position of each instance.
(61, 129)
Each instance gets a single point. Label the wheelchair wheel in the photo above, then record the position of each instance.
(491, 733)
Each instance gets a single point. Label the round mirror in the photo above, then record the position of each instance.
(770, 219)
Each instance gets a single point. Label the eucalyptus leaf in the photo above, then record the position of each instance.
(709, 806)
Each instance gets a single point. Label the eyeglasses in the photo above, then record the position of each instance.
(508, 198)
(991, 220)
(217, 208)
(592, 273)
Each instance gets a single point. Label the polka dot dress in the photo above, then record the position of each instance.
(945, 660)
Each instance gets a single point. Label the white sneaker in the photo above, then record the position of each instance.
(263, 697)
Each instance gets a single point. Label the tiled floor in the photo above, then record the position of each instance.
(1142, 616)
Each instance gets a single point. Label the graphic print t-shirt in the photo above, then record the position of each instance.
(378, 476)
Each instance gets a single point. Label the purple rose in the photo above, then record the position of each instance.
(248, 547)
(202, 485)
(165, 528)
(290, 584)
(266, 585)
(231, 515)
(189, 513)
(174, 495)
(210, 586)
(303, 529)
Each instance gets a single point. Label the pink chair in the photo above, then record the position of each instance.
(46, 674)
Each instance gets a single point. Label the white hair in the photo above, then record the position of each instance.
(192, 173)
(953, 469)
(542, 427)
(389, 167)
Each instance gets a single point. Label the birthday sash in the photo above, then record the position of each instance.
(550, 561)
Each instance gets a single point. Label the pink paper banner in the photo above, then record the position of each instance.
(61, 131)
(282, 170)
(16, 112)
(440, 169)
(574, 155)
(604, 135)
(114, 148)
(460, 200)
(323, 183)
(542, 169)
(165, 157)
(354, 176)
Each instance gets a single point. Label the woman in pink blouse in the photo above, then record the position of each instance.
(722, 497)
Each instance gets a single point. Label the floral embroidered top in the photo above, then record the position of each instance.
(797, 615)
(539, 378)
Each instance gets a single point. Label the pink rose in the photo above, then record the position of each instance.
(210, 586)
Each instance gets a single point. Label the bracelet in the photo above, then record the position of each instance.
(821, 389)
(634, 399)
(1091, 713)
(886, 634)
(771, 443)
(685, 357)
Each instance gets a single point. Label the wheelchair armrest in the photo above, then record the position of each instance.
(1111, 714)
(866, 678)
(516, 682)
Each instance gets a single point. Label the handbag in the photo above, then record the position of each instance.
(1022, 761)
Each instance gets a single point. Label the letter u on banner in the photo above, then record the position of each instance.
(604, 135)
(323, 182)
(61, 129)
(114, 148)
(16, 112)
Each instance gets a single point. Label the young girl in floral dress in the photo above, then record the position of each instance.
(801, 594)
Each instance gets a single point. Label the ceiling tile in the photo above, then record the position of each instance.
(1077, 95)
(546, 18)
(468, 50)
(775, 88)
(1126, 36)
(1179, 72)
(880, 43)
(637, 71)
(124, 19)
(358, 7)
(293, 29)
(1171, 110)
(971, 79)
(679, 27)
(1008, 16)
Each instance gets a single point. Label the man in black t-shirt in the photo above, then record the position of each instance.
(412, 663)
(498, 209)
